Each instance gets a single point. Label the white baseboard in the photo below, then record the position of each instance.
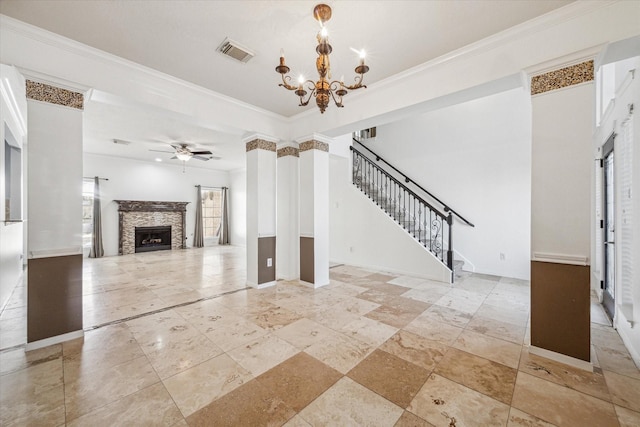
(391, 270)
(262, 285)
(54, 340)
(562, 358)
(313, 285)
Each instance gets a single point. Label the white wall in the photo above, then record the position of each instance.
(238, 207)
(13, 116)
(475, 156)
(562, 167)
(361, 234)
(55, 180)
(139, 180)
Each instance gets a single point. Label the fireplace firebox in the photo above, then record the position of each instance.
(149, 239)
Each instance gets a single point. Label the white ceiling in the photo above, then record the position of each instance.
(180, 37)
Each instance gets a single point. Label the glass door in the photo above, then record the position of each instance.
(608, 300)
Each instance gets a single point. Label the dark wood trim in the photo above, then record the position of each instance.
(54, 296)
(560, 308)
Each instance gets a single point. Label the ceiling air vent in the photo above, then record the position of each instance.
(235, 50)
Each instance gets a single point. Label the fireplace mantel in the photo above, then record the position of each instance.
(150, 206)
(132, 213)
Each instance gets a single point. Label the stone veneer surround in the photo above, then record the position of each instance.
(136, 213)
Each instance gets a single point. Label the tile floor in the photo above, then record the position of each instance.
(175, 338)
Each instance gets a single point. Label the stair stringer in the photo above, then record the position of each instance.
(372, 239)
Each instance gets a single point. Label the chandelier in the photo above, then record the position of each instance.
(323, 89)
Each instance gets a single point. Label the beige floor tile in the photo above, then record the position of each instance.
(504, 314)
(273, 318)
(617, 360)
(92, 388)
(304, 333)
(490, 378)
(627, 417)
(592, 383)
(517, 418)
(393, 378)
(429, 295)
(13, 332)
(369, 331)
(446, 315)
(297, 421)
(340, 352)
(17, 359)
(490, 348)
(625, 391)
(299, 380)
(251, 404)
(347, 403)
(411, 420)
(443, 403)
(467, 305)
(262, 354)
(497, 329)
(434, 330)
(560, 405)
(415, 349)
(150, 406)
(195, 388)
(231, 333)
(33, 396)
(334, 318)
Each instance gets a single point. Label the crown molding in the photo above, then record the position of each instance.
(60, 42)
(315, 137)
(253, 136)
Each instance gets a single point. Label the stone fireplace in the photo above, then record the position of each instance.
(146, 216)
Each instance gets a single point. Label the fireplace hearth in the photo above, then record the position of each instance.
(149, 239)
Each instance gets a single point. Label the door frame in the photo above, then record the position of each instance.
(608, 298)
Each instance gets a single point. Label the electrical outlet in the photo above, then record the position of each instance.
(269, 262)
(350, 248)
(502, 256)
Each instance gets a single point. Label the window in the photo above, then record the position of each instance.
(87, 212)
(211, 212)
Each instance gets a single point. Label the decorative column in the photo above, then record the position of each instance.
(314, 210)
(54, 189)
(288, 247)
(261, 210)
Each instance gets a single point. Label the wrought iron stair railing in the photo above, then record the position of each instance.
(408, 180)
(428, 225)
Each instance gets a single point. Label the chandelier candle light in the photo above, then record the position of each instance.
(323, 88)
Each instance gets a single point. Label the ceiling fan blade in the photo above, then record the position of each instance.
(162, 151)
(195, 153)
(174, 157)
(204, 159)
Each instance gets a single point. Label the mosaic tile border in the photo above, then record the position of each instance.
(564, 77)
(261, 144)
(314, 145)
(288, 151)
(54, 95)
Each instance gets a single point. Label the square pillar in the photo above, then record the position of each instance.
(314, 210)
(288, 246)
(54, 188)
(261, 211)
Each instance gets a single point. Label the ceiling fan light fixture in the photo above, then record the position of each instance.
(184, 156)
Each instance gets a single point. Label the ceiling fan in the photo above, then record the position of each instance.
(185, 151)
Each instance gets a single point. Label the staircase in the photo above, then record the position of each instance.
(431, 227)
